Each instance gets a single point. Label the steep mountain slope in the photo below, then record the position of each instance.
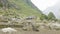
(24, 8)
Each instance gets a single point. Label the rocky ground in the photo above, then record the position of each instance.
(29, 25)
(34, 32)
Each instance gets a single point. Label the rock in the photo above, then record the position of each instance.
(30, 17)
(55, 25)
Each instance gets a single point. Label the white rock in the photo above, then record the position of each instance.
(8, 29)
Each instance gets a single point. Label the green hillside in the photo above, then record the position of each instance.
(24, 15)
(24, 8)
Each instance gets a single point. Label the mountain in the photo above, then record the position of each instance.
(23, 8)
(55, 9)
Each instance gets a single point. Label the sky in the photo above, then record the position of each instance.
(44, 4)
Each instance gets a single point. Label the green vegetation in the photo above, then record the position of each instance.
(43, 17)
(51, 16)
(20, 8)
(31, 17)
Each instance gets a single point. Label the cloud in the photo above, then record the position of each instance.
(43, 4)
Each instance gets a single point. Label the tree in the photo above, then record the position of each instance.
(43, 17)
(51, 16)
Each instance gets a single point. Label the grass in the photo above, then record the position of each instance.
(23, 10)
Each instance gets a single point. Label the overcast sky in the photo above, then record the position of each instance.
(43, 4)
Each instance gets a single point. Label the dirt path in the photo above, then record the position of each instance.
(41, 32)
(34, 32)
